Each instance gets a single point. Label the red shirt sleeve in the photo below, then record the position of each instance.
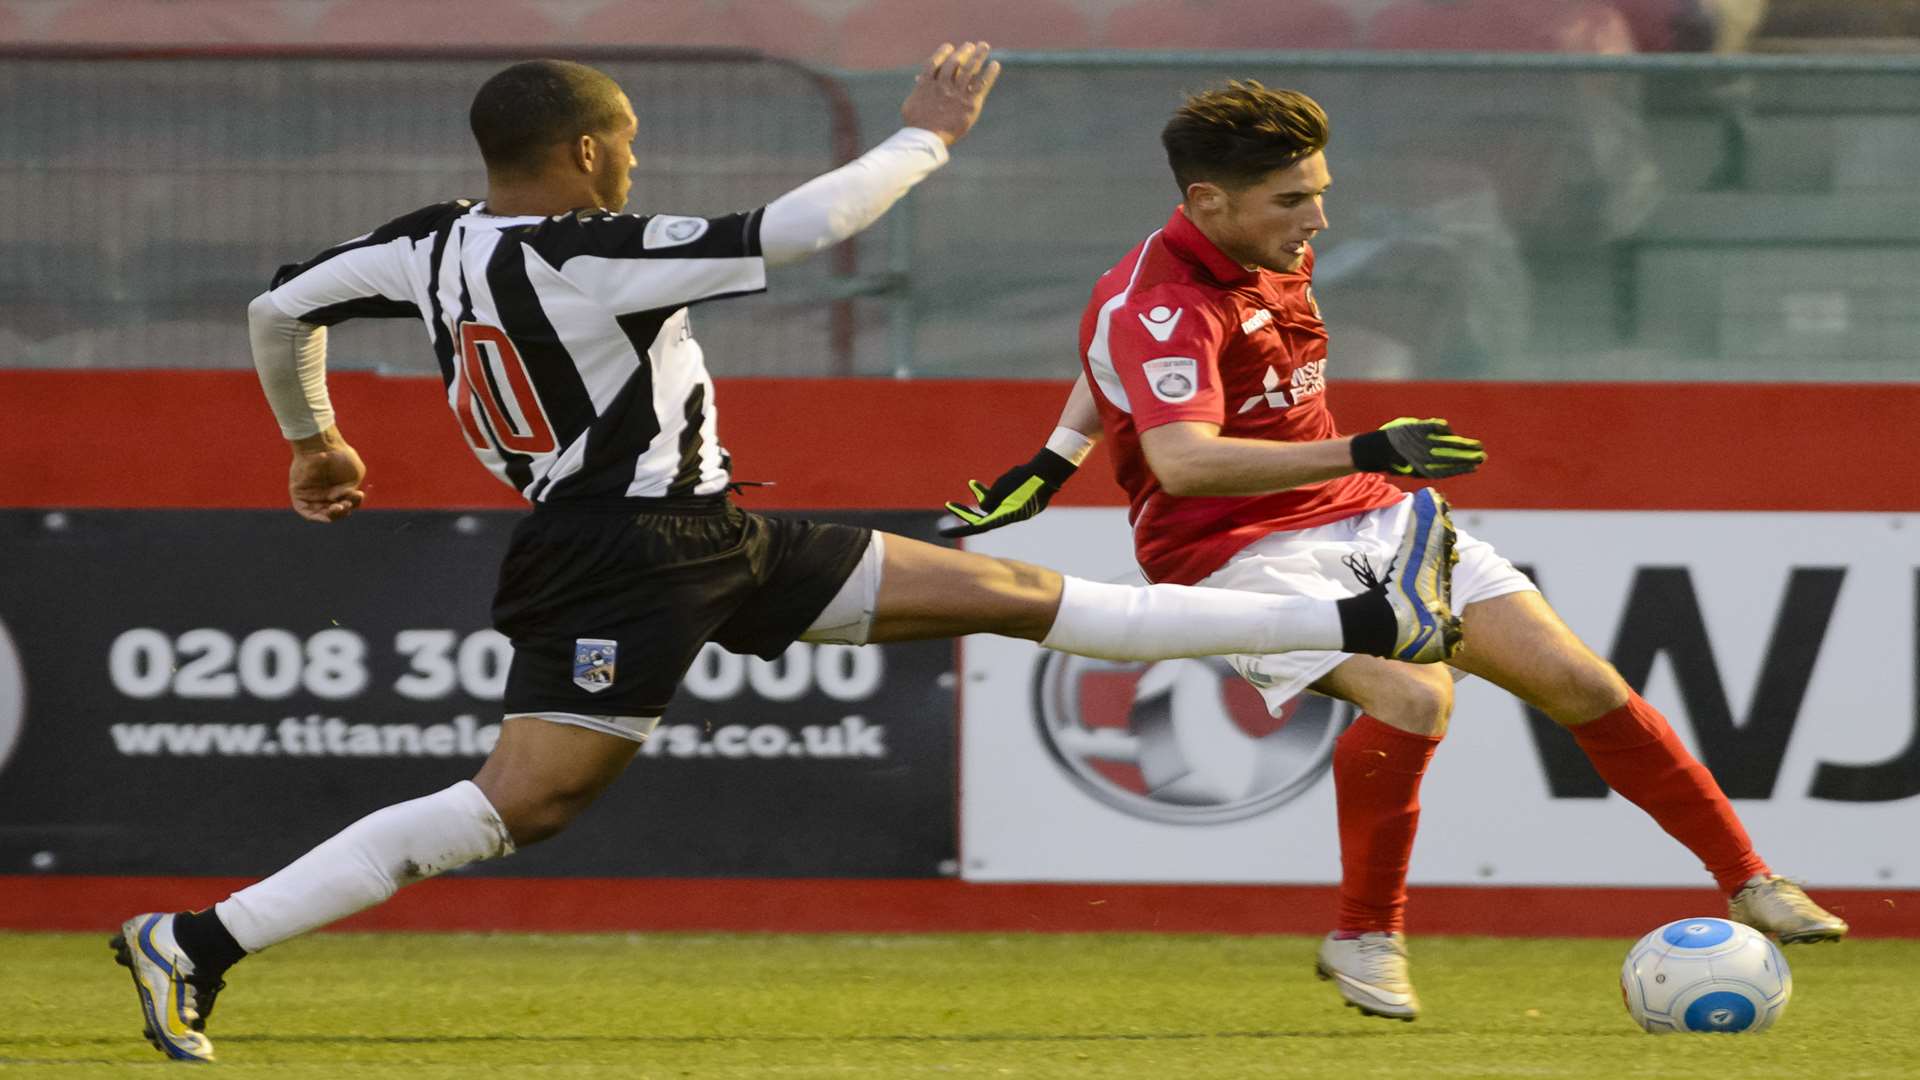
(1165, 347)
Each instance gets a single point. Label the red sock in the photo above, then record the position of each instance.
(1376, 784)
(1637, 753)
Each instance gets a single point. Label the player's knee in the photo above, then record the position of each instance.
(535, 815)
(1420, 702)
(543, 819)
(1582, 690)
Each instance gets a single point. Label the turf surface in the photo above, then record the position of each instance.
(429, 1005)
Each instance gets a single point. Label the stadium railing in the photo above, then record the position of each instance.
(1494, 216)
(151, 193)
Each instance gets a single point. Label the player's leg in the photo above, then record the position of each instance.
(1521, 645)
(1526, 649)
(539, 776)
(927, 591)
(543, 773)
(577, 590)
(1378, 764)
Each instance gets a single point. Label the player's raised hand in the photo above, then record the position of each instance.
(950, 90)
(1020, 493)
(1414, 447)
(324, 479)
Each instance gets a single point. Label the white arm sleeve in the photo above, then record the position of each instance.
(832, 207)
(291, 357)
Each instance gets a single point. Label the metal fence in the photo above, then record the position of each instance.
(148, 199)
(1493, 217)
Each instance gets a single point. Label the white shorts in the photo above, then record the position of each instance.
(1307, 563)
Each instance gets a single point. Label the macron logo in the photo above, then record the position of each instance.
(1256, 320)
(1160, 322)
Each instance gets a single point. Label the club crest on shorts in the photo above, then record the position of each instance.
(593, 663)
(1173, 379)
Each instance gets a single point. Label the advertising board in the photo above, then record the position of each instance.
(213, 692)
(1782, 646)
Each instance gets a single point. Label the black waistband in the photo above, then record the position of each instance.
(670, 504)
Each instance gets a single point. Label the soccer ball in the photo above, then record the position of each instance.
(1705, 974)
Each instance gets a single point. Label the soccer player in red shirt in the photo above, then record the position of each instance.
(1205, 365)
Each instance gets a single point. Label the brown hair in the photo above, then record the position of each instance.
(1236, 134)
(522, 111)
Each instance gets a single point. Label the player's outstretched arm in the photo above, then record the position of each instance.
(944, 104)
(290, 356)
(1191, 458)
(1024, 490)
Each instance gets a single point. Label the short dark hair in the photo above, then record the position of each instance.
(526, 109)
(1236, 134)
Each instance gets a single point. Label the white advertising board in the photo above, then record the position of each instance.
(1782, 646)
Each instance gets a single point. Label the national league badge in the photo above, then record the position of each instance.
(1173, 379)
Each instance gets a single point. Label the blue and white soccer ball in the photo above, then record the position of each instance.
(1705, 974)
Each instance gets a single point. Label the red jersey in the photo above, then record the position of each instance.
(1179, 331)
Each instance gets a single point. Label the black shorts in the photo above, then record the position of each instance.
(607, 605)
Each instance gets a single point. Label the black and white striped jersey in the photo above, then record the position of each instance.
(564, 342)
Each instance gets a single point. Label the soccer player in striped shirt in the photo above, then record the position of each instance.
(561, 329)
(1205, 364)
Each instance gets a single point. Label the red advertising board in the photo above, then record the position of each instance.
(157, 440)
(204, 439)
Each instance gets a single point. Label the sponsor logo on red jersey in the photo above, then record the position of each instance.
(1309, 381)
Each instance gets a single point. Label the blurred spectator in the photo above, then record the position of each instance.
(1849, 25)
(894, 33)
(157, 22)
(1568, 156)
(777, 27)
(890, 33)
(1692, 25)
(1230, 24)
(423, 22)
(1421, 261)
(1587, 26)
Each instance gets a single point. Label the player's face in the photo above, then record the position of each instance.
(1268, 224)
(613, 168)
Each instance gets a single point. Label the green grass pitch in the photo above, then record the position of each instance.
(1042, 1006)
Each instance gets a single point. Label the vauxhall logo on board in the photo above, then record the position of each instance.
(1186, 742)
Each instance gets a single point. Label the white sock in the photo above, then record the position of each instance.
(1159, 622)
(365, 863)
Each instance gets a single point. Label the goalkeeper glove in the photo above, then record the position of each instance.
(1412, 447)
(1020, 493)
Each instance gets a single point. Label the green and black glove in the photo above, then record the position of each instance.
(1413, 447)
(1020, 493)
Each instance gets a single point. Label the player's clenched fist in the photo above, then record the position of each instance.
(1413, 447)
(324, 479)
(950, 90)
